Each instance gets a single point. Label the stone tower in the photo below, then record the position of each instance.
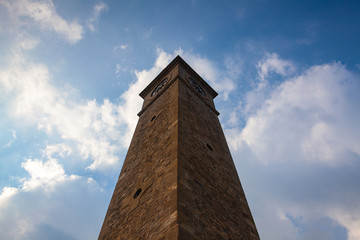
(178, 180)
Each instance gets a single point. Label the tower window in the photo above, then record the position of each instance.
(137, 193)
(209, 147)
(153, 118)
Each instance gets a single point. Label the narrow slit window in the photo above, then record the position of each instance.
(137, 193)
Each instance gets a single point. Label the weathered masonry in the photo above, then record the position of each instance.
(178, 180)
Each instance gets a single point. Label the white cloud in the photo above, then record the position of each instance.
(301, 141)
(44, 15)
(309, 213)
(13, 138)
(92, 129)
(39, 195)
(97, 11)
(89, 128)
(6, 193)
(269, 65)
(36, 207)
(273, 63)
(313, 115)
(294, 121)
(120, 68)
(28, 43)
(40, 202)
(44, 174)
(272, 223)
(60, 149)
(349, 219)
(120, 47)
(302, 200)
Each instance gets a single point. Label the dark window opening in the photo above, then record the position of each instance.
(209, 147)
(137, 193)
(153, 118)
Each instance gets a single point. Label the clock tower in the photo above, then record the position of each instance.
(178, 180)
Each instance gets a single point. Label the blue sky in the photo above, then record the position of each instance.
(288, 78)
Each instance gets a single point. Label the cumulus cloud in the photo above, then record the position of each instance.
(85, 127)
(97, 11)
(303, 200)
(349, 219)
(45, 175)
(88, 128)
(59, 149)
(302, 135)
(273, 63)
(308, 119)
(91, 128)
(313, 115)
(269, 67)
(44, 15)
(35, 209)
(6, 193)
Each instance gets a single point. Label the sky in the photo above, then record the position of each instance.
(288, 78)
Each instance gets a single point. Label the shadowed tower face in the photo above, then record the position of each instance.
(178, 180)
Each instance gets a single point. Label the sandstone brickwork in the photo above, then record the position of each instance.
(178, 180)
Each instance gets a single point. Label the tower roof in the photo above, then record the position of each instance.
(179, 61)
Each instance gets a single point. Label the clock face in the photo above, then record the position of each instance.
(159, 87)
(197, 86)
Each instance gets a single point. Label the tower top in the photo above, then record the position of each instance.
(175, 62)
(178, 70)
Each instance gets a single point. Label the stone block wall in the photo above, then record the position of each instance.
(178, 180)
